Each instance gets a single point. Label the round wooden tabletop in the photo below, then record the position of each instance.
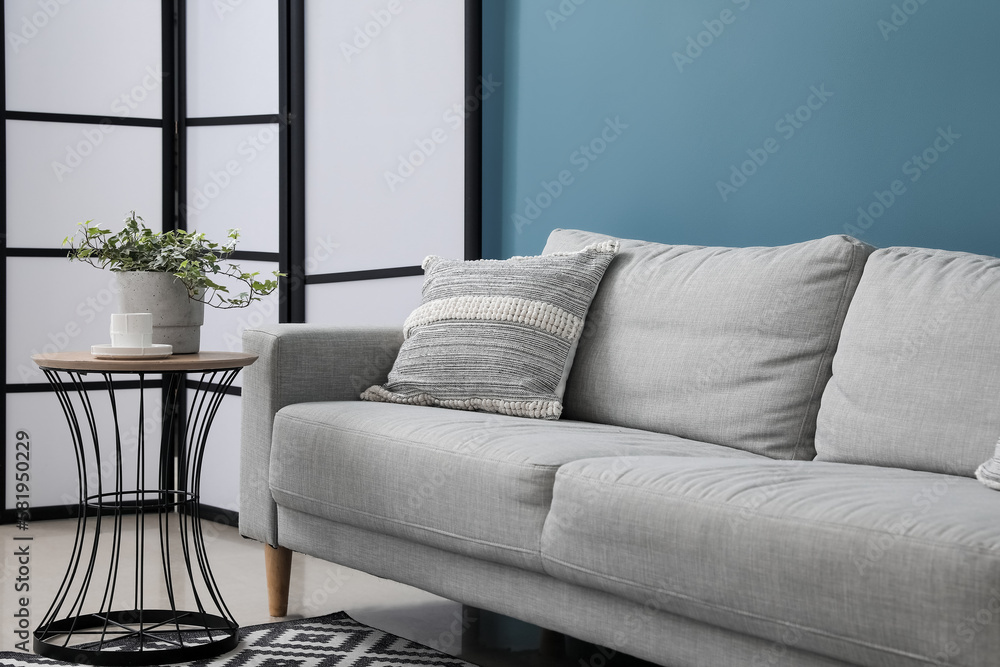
(201, 361)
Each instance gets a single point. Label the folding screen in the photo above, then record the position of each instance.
(341, 138)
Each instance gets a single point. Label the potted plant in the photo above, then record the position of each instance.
(169, 274)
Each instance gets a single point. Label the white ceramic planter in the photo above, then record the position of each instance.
(177, 319)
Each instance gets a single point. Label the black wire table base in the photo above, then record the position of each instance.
(100, 614)
(127, 636)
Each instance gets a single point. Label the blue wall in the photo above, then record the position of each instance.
(821, 104)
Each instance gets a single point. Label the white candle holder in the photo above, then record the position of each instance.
(131, 336)
(132, 330)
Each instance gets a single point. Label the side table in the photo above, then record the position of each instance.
(100, 615)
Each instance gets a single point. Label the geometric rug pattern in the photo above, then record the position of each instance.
(335, 640)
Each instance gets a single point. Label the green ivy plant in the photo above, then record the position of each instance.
(196, 261)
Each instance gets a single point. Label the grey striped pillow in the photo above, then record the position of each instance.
(496, 335)
(989, 472)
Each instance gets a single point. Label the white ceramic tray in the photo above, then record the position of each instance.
(108, 351)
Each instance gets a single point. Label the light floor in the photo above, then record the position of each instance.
(317, 588)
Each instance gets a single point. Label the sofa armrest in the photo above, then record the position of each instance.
(299, 363)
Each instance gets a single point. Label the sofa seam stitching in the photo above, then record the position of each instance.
(277, 398)
(738, 612)
(410, 525)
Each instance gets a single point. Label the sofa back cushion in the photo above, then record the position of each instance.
(725, 345)
(916, 379)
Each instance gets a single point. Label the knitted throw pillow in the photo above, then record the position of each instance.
(496, 335)
(989, 472)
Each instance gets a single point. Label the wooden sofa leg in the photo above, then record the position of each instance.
(278, 566)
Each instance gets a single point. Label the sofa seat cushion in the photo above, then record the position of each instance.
(724, 345)
(472, 483)
(876, 565)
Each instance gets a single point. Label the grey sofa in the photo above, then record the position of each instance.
(766, 457)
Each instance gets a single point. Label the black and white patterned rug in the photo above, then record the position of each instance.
(327, 641)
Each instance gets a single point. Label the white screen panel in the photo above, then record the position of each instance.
(223, 329)
(233, 182)
(53, 468)
(389, 98)
(59, 174)
(220, 471)
(384, 302)
(232, 53)
(54, 305)
(324, 254)
(99, 58)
